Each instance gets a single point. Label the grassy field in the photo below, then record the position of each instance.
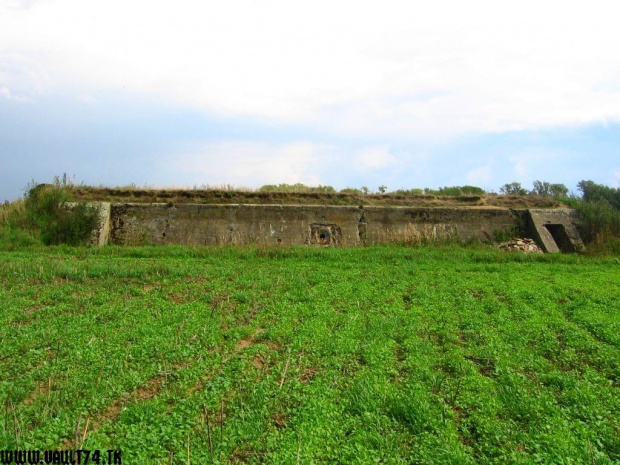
(390, 355)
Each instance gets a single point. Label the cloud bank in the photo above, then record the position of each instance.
(357, 69)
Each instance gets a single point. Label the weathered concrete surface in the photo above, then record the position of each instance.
(301, 224)
(407, 224)
(555, 230)
(101, 235)
(231, 224)
(194, 224)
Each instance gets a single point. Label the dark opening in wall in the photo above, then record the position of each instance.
(558, 232)
(361, 229)
(325, 234)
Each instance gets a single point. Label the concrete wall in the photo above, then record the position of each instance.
(102, 235)
(554, 230)
(301, 224)
(387, 224)
(230, 224)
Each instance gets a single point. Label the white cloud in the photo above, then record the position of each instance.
(479, 176)
(7, 94)
(250, 164)
(374, 158)
(391, 68)
(20, 4)
(87, 99)
(541, 162)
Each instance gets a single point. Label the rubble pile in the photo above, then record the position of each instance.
(520, 245)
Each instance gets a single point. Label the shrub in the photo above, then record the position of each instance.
(295, 188)
(455, 191)
(408, 192)
(15, 228)
(597, 192)
(503, 235)
(599, 221)
(599, 213)
(351, 191)
(48, 209)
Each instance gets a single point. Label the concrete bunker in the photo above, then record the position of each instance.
(325, 234)
(327, 225)
(561, 238)
(555, 230)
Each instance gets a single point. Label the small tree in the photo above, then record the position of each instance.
(546, 189)
(513, 188)
(593, 192)
(382, 189)
(559, 190)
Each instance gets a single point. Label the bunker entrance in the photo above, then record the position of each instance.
(560, 236)
(325, 234)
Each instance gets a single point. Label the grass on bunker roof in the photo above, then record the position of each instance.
(134, 194)
(305, 355)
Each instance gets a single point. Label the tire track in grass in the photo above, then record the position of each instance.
(215, 418)
(610, 370)
(153, 387)
(240, 345)
(147, 391)
(584, 326)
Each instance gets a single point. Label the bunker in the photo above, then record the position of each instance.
(328, 225)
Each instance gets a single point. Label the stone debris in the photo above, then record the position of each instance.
(520, 245)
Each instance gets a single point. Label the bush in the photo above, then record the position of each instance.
(48, 209)
(351, 191)
(598, 221)
(15, 229)
(599, 212)
(408, 192)
(609, 246)
(597, 192)
(295, 188)
(455, 191)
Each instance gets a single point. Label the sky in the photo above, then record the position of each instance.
(348, 94)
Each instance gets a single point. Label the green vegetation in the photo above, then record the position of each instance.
(48, 208)
(351, 191)
(387, 354)
(295, 188)
(409, 192)
(593, 192)
(455, 191)
(15, 229)
(46, 213)
(541, 188)
(513, 188)
(599, 213)
(301, 194)
(544, 188)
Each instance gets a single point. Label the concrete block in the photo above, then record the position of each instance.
(555, 230)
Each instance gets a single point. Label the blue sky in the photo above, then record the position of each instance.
(349, 95)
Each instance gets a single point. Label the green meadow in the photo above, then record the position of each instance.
(368, 355)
